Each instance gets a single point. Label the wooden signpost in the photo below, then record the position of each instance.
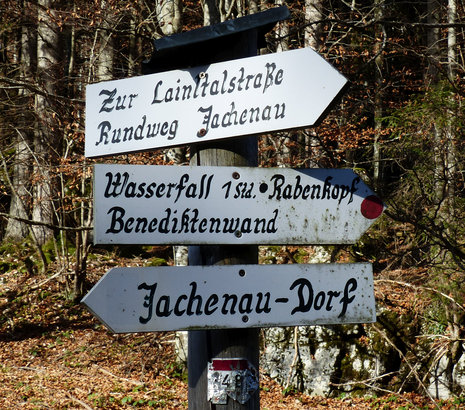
(222, 204)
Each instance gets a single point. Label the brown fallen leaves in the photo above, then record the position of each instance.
(55, 355)
(90, 368)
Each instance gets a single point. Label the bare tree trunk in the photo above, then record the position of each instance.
(450, 155)
(282, 141)
(15, 229)
(313, 17)
(133, 43)
(104, 70)
(451, 40)
(444, 146)
(446, 171)
(433, 39)
(282, 32)
(170, 21)
(379, 100)
(47, 65)
(312, 37)
(432, 78)
(254, 6)
(455, 316)
(211, 12)
(169, 16)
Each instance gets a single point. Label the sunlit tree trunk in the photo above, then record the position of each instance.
(282, 32)
(313, 17)
(378, 98)
(211, 12)
(443, 133)
(169, 15)
(254, 6)
(105, 56)
(451, 168)
(44, 136)
(282, 142)
(446, 169)
(312, 38)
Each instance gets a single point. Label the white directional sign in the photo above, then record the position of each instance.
(239, 97)
(149, 204)
(232, 296)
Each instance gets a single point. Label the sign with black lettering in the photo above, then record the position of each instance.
(232, 296)
(150, 204)
(247, 96)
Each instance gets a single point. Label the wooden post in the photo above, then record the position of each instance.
(229, 40)
(204, 345)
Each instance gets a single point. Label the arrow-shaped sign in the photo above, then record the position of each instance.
(247, 96)
(232, 296)
(149, 204)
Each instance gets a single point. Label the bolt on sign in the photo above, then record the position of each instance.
(292, 89)
(150, 204)
(232, 296)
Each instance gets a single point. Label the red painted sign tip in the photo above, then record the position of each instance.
(372, 207)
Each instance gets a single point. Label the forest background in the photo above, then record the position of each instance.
(399, 126)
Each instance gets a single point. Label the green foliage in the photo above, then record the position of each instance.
(49, 249)
(300, 255)
(436, 320)
(429, 191)
(156, 262)
(97, 400)
(17, 256)
(177, 371)
(289, 391)
(387, 402)
(459, 401)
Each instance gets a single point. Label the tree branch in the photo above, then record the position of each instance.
(48, 225)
